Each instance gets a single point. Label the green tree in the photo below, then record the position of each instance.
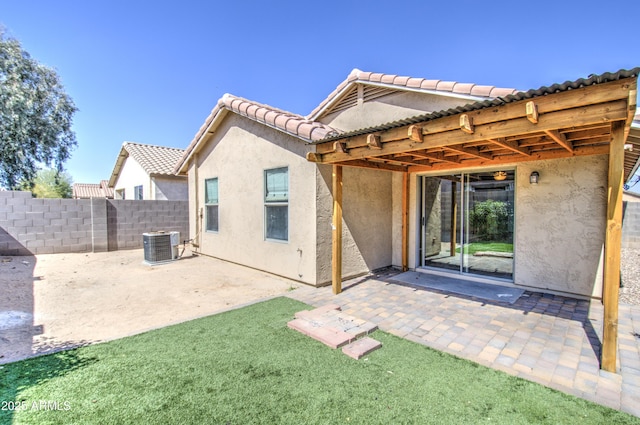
(490, 219)
(51, 183)
(35, 116)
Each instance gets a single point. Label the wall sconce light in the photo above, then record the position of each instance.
(534, 177)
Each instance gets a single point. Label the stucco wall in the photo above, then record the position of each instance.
(132, 175)
(170, 188)
(238, 154)
(560, 225)
(367, 209)
(396, 220)
(390, 108)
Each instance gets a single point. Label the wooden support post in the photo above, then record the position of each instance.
(405, 222)
(454, 213)
(613, 238)
(336, 235)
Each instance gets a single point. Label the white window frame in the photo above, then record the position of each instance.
(212, 203)
(278, 201)
(138, 193)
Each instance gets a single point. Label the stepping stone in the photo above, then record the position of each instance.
(325, 335)
(329, 325)
(361, 347)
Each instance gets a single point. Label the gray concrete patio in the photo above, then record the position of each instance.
(548, 339)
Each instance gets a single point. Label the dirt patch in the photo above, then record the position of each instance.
(61, 301)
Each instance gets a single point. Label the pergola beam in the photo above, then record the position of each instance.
(374, 165)
(573, 117)
(511, 145)
(513, 159)
(475, 152)
(585, 96)
(435, 156)
(559, 139)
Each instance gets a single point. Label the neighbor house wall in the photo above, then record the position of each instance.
(131, 175)
(169, 188)
(631, 224)
(47, 226)
(238, 154)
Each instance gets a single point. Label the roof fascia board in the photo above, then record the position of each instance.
(210, 129)
(428, 91)
(122, 156)
(219, 115)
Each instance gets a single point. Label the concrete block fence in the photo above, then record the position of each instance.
(631, 225)
(31, 226)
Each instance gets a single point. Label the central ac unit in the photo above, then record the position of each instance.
(160, 247)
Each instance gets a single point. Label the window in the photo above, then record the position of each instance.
(211, 204)
(120, 194)
(137, 193)
(276, 200)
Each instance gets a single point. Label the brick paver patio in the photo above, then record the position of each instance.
(549, 339)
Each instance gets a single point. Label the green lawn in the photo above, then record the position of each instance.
(246, 367)
(474, 247)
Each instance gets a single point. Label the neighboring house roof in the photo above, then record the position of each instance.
(286, 122)
(92, 190)
(154, 160)
(377, 84)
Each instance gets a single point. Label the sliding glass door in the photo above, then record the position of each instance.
(467, 223)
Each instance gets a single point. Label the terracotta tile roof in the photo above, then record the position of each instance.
(154, 160)
(92, 190)
(402, 82)
(286, 122)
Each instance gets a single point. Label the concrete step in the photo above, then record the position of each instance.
(326, 336)
(361, 347)
(335, 329)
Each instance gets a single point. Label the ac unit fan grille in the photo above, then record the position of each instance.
(157, 248)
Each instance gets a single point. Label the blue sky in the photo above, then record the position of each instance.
(150, 72)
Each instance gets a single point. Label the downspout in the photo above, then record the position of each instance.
(198, 213)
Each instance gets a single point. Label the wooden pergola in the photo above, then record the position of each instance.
(586, 117)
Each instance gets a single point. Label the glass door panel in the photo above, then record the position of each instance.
(467, 223)
(488, 224)
(441, 197)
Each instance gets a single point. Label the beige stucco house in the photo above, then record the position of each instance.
(145, 172)
(261, 181)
